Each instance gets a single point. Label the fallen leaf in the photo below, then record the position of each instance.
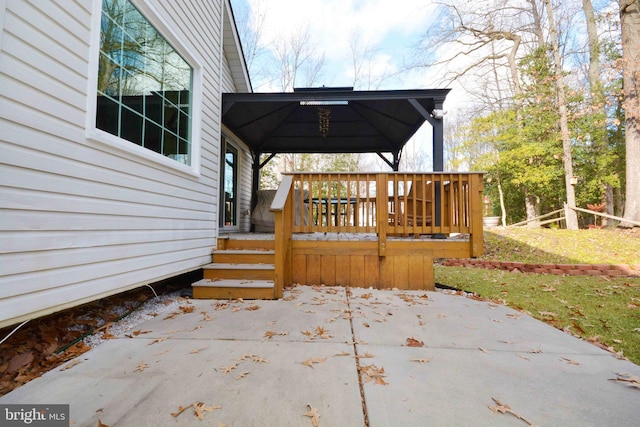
(100, 424)
(258, 359)
(412, 342)
(70, 365)
(506, 409)
(141, 367)
(181, 409)
(364, 356)
(313, 414)
(570, 361)
(271, 334)
(322, 333)
(253, 307)
(548, 314)
(632, 380)
(19, 361)
(200, 408)
(310, 361)
(523, 357)
(372, 372)
(227, 369)
(242, 375)
(186, 308)
(157, 340)
(344, 353)
(420, 360)
(484, 350)
(139, 332)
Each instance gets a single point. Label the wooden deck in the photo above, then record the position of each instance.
(365, 230)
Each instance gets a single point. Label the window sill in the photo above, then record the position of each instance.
(133, 152)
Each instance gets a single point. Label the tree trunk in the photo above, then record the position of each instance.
(609, 204)
(532, 205)
(572, 217)
(503, 208)
(597, 97)
(630, 21)
(537, 23)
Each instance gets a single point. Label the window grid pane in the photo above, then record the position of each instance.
(144, 85)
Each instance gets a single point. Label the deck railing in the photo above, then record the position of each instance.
(402, 203)
(388, 204)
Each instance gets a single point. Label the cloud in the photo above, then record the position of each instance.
(332, 21)
(382, 25)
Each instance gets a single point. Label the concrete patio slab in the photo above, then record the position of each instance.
(252, 359)
(456, 387)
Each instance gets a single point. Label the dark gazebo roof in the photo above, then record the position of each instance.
(330, 120)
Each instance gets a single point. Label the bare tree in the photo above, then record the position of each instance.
(597, 98)
(294, 55)
(630, 20)
(251, 30)
(571, 216)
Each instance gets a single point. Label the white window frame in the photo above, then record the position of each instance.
(130, 148)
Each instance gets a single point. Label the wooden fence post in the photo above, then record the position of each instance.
(476, 186)
(282, 207)
(382, 212)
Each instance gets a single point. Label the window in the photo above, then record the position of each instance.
(229, 171)
(145, 87)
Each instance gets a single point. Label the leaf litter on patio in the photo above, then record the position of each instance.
(503, 408)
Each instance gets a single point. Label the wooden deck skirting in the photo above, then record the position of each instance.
(384, 204)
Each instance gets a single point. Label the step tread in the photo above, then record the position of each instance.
(234, 283)
(230, 266)
(244, 251)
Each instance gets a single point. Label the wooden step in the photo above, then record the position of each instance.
(233, 289)
(239, 256)
(239, 271)
(245, 244)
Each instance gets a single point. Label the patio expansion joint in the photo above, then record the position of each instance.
(357, 359)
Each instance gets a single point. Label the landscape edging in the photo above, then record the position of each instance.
(609, 270)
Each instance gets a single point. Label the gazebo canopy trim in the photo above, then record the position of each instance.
(329, 120)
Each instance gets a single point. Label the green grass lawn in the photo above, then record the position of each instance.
(602, 310)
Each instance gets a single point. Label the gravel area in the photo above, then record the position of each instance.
(151, 308)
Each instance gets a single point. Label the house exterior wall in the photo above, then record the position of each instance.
(244, 160)
(83, 216)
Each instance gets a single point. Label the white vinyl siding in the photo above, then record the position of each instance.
(245, 161)
(80, 218)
